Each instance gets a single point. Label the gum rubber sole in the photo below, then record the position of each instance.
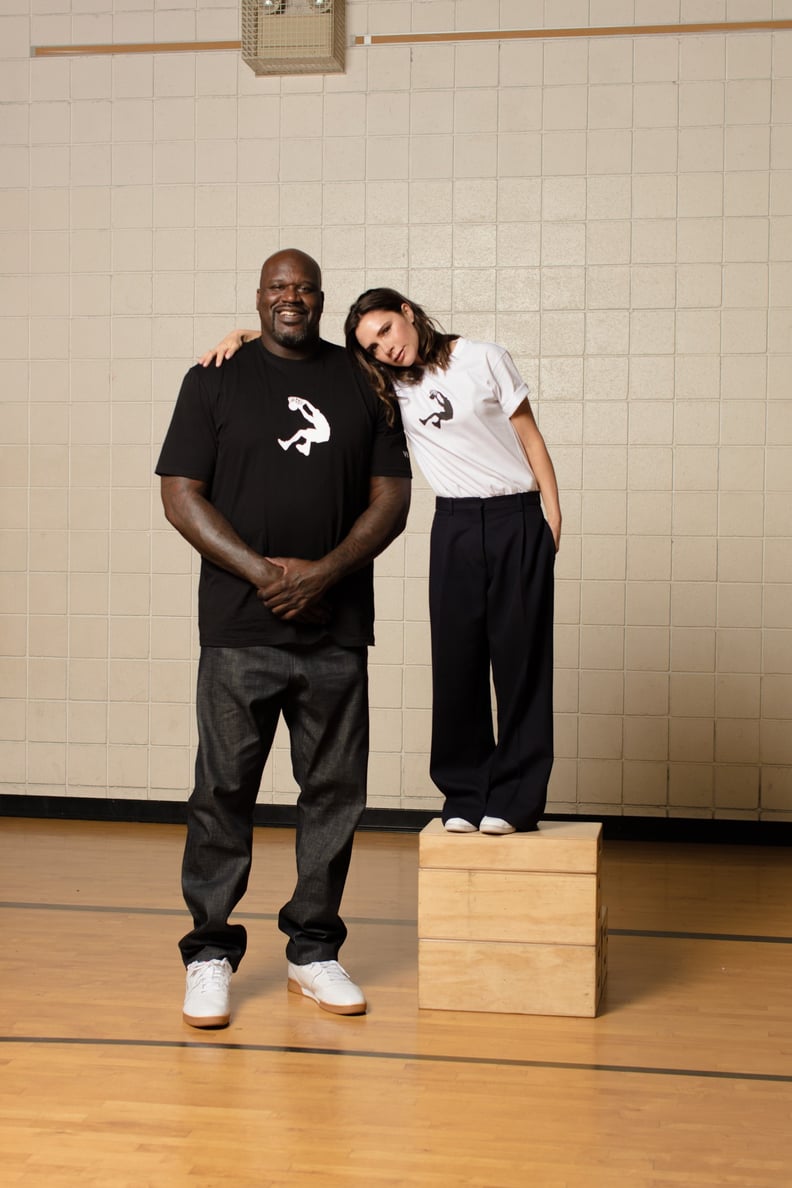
(352, 1008)
(207, 1020)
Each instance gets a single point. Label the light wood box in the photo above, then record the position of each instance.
(512, 924)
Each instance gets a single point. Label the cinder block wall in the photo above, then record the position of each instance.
(615, 210)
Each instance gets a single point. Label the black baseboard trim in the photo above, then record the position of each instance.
(614, 828)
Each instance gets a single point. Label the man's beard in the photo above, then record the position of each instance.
(294, 336)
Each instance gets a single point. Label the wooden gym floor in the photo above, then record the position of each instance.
(684, 1079)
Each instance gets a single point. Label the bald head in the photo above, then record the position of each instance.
(290, 301)
(293, 256)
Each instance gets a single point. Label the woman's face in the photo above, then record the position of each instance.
(389, 337)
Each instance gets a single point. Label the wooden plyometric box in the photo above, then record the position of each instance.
(512, 924)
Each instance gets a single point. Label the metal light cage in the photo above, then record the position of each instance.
(294, 36)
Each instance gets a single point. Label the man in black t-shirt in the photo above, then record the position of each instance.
(282, 470)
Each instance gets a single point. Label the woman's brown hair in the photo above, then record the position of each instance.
(434, 346)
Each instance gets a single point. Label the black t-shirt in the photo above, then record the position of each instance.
(287, 449)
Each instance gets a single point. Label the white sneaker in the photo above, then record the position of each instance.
(459, 825)
(329, 984)
(496, 825)
(207, 1001)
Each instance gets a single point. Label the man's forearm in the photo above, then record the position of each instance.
(210, 533)
(382, 521)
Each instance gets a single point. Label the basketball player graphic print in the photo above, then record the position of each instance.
(445, 412)
(316, 431)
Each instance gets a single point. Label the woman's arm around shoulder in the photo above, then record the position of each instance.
(228, 347)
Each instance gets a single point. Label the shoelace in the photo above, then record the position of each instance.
(211, 975)
(332, 971)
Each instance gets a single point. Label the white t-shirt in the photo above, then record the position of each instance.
(457, 422)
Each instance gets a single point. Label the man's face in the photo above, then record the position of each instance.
(289, 301)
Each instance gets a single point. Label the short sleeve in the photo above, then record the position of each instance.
(190, 446)
(512, 387)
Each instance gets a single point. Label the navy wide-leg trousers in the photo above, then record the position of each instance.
(491, 611)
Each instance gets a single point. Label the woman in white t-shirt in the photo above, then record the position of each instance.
(469, 423)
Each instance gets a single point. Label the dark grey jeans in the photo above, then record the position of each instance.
(322, 692)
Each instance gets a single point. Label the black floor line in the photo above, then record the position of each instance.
(121, 910)
(417, 1057)
(742, 937)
